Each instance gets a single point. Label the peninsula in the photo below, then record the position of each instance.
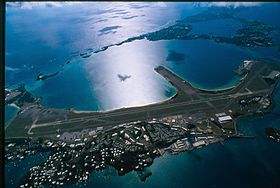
(129, 139)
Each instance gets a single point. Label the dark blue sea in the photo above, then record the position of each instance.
(42, 37)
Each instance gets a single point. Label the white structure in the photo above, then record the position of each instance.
(224, 119)
(220, 114)
(91, 133)
(199, 143)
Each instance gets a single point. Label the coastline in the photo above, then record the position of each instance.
(208, 90)
(167, 99)
(175, 80)
(95, 38)
(272, 107)
(17, 109)
(14, 105)
(125, 107)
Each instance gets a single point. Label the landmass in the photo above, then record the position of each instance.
(41, 76)
(20, 97)
(251, 34)
(129, 139)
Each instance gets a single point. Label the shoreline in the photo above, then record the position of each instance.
(167, 99)
(17, 108)
(125, 107)
(157, 102)
(208, 90)
(14, 105)
(190, 97)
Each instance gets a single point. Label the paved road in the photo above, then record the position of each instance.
(178, 83)
(145, 109)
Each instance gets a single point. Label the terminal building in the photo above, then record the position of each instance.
(224, 119)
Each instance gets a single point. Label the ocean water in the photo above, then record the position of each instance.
(238, 163)
(15, 171)
(10, 112)
(54, 33)
(41, 38)
(207, 64)
(216, 27)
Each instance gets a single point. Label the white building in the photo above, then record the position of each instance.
(224, 119)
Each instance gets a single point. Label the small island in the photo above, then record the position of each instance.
(41, 76)
(251, 34)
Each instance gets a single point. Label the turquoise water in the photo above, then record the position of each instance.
(73, 84)
(53, 33)
(221, 27)
(15, 171)
(238, 163)
(10, 112)
(92, 84)
(207, 65)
